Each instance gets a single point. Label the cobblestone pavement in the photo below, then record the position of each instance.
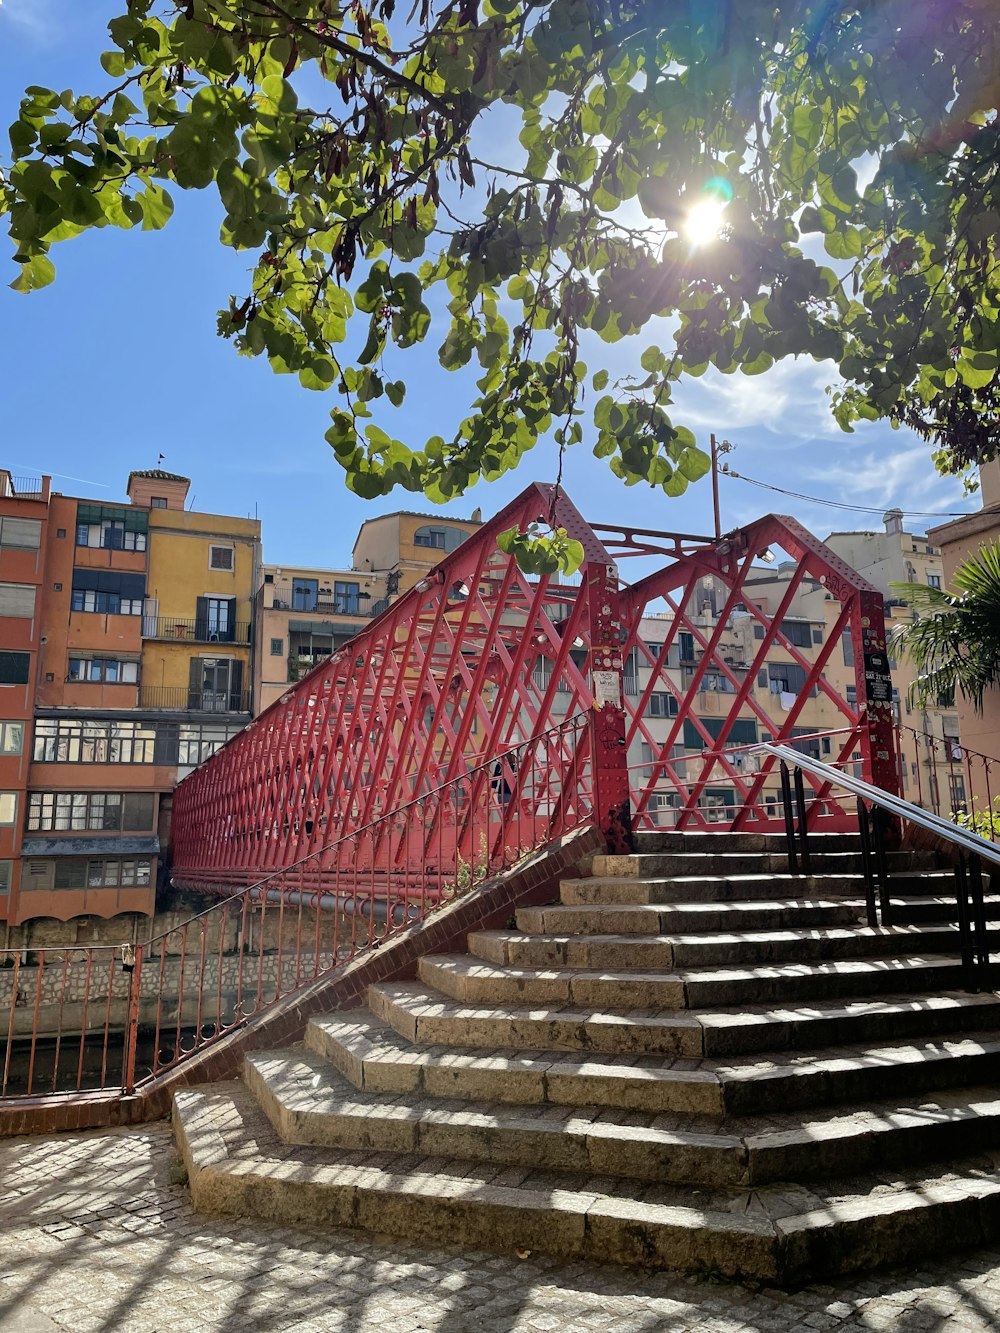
(98, 1233)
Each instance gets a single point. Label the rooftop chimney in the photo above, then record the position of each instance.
(893, 520)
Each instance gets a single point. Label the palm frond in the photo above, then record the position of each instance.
(955, 644)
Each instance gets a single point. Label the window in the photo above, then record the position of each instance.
(215, 619)
(847, 647)
(215, 684)
(5, 872)
(439, 537)
(198, 742)
(797, 633)
(222, 557)
(852, 695)
(14, 668)
(758, 631)
(63, 812)
(17, 599)
(304, 594)
(107, 592)
(60, 532)
(11, 737)
(277, 647)
(825, 744)
(686, 643)
(97, 741)
(934, 580)
(661, 704)
(742, 732)
(100, 874)
(20, 534)
(106, 603)
(786, 678)
(111, 670)
(345, 598)
(157, 502)
(112, 527)
(8, 807)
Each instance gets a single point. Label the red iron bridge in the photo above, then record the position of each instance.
(483, 715)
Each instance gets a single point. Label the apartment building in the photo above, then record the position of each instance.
(303, 615)
(929, 734)
(129, 639)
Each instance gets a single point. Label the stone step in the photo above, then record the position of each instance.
(471, 981)
(725, 840)
(609, 891)
(238, 1165)
(654, 952)
(654, 865)
(373, 1056)
(687, 917)
(422, 1016)
(308, 1102)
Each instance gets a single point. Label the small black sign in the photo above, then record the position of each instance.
(878, 682)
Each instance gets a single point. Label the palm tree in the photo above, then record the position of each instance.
(954, 642)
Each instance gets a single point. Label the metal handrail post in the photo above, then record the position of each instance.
(786, 801)
(864, 829)
(800, 805)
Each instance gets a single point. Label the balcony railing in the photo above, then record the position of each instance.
(195, 631)
(286, 598)
(181, 699)
(23, 488)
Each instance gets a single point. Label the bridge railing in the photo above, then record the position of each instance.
(88, 1018)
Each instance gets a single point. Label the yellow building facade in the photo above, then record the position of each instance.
(197, 621)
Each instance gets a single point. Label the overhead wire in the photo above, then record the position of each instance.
(727, 471)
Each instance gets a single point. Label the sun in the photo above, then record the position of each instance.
(707, 215)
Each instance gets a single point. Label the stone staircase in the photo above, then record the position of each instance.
(691, 1061)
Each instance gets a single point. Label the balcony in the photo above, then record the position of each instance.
(176, 628)
(359, 605)
(180, 699)
(23, 488)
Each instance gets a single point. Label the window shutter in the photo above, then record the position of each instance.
(196, 679)
(137, 812)
(20, 534)
(17, 599)
(236, 685)
(201, 618)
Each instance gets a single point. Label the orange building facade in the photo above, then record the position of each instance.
(92, 742)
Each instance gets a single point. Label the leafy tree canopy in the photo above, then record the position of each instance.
(503, 177)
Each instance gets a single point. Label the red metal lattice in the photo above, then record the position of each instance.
(479, 657)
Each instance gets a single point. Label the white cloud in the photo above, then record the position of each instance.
(792, 394)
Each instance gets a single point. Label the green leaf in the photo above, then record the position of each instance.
(37, 272)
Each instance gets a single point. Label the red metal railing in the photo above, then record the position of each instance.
(943, 775)
(105, 1018)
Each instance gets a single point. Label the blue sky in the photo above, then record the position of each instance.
(118, 361)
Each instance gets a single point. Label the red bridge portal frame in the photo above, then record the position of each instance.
(479, 658)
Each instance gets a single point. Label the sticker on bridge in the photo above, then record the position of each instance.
(607, 689)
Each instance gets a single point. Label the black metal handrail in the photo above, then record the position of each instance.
(876, 808)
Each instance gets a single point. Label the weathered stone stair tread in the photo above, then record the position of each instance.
(675, 888)
(511, 948)
(689, 915)
(423, 1016)
(308, 1102)
(647, 865)
(470, 979)
(374, 1056)
(237, 1162)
